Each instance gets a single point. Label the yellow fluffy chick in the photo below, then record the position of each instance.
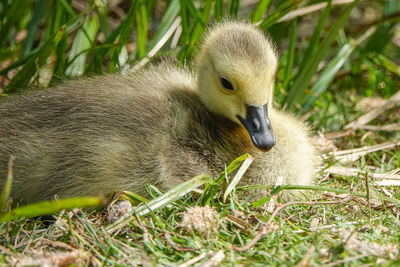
(162, 125)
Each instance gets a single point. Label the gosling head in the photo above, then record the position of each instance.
(236, 68)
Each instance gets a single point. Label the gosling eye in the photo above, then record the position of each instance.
(226, 84)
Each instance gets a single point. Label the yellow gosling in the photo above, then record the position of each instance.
(162, 125)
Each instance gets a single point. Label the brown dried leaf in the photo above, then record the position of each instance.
(370, 248)
(369, 103)
(50, 259)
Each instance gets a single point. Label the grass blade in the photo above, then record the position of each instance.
(5, 193)
(326, 77)
(50, 207)
(311, 67)
(218, 10)
(312, 46)
(211, 190)
(14, 11)
(318, 188)
(68, 8)
(245, 165)
(83, 41)
(174, 194)
(38, 13)
(201, 22)
(282, 10)
(260, 9)
(166, 22)
(185, 13)
(141, 29)
(134, 198)
(163, 200)
(121, 34)
(233, 7)
(386, 62)
(39, 56)
(23, 77)
(291, 54)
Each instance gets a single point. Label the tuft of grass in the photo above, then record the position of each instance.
(332, 62)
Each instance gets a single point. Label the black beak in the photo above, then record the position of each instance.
(259, 127)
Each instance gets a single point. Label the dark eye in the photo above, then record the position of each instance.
(227, 84)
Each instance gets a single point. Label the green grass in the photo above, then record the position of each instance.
(326, 70)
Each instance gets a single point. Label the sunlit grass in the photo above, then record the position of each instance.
(324, 75)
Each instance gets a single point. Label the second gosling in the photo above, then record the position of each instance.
(163, 125)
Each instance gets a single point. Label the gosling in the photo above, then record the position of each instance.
(163, 125)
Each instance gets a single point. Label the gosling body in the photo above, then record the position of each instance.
(162, 126)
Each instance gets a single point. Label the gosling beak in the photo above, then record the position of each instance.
(259, 127)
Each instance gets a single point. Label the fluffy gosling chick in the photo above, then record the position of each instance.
(162, 125)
